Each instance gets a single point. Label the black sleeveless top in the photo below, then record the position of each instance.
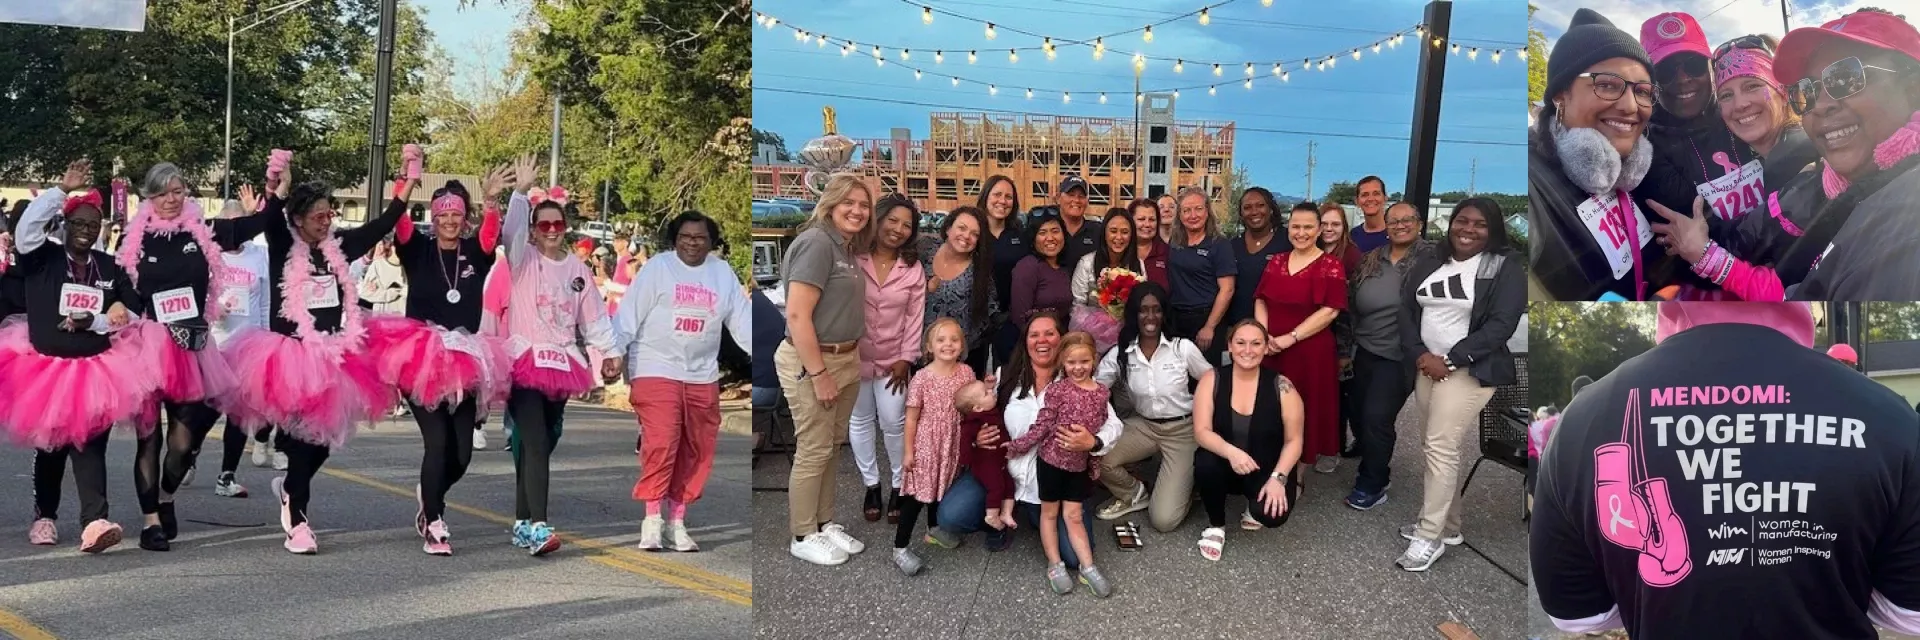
(1266, 433)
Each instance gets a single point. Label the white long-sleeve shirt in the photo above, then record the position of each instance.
(1020, 414)
(243, 292)
(669, 321)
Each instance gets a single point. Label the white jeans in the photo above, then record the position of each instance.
(877, 404)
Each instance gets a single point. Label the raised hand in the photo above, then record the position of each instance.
(495, 180)
(249, 202)
(525, 171)
(77, 174)
(282, 183)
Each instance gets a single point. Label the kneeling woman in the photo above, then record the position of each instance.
(553, 305)
(432, 354)
(68, 379)
(310, 375)
(1248, 422)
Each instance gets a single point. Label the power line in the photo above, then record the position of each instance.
(1109, 9)
(1237, 127)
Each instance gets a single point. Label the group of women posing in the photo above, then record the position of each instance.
(1762, 169)
(114, 341)
(1311, 324)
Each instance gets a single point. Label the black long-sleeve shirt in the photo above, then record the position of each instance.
(173, 261)
(354, 243)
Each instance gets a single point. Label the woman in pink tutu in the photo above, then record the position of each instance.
(70, 376)
(172, 253)
(432, 355)
(310, 374)
(553, 306)
(1088, 277)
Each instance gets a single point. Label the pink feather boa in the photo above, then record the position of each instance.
(296, 285)
(192, 221)
(1889, 152)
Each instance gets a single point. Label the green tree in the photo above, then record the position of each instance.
(1536, 59)
(1342, 192)
(1569, 340)
(1893, 321)
(762, 136)
(1234, 184)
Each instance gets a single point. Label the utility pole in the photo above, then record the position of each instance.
(606, 186)
(1785, 24)
(1310, 163)
(382, 99)
(553, 161)
(1139, 146)
(1473, 173)
(1426, 104)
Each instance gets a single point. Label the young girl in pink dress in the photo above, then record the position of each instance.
(933, 435)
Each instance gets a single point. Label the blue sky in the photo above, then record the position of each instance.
(1482, 101)
(476, 37)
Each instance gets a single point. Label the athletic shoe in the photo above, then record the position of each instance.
(286, 512)
(437, 543)
(279, 461)
(1363, 501)
(43, 533)
(419, 513)
(837, 535)
(260, 453)
(816, 549)
(1096, 582)
(522, 533)
(1327, 464)
(479, 440)
(908, 563)
(650, 529)
(154, 538)
(943, 538)
(677, 533)
(1420, 554)
(1407, 532)
(542, 540)
(1120, 508)
(227, 487)
(169, 523)
(300, 540)
(1059, 580)
(187, 478)
(99, 536)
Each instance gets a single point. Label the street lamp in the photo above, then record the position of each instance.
(269, 13)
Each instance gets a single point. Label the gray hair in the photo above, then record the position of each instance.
(1180, 230)
(161, 178)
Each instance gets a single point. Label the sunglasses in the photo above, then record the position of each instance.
(550, 226)
(1610, 87)
(1843, 79)
(1744, 42)
(1693, 65)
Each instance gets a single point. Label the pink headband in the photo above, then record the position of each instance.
(1737, 62)
(449, 202)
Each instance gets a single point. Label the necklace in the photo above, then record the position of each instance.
(439, 259)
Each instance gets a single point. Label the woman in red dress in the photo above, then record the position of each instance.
(1300, 294)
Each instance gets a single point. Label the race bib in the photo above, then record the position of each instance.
(325, 293)
(1737, 193)
(236, 295)
(1609, 232)
(461, 342)
(80, 298)
(693, 307)
(174, 305)
(552, 359)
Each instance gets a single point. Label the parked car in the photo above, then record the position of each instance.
(597, 230)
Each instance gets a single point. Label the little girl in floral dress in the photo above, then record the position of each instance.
(932, 447)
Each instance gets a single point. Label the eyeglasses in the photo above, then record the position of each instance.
(1843, 79)
(1402, 222)
(550, 226)
(1610, 87)
(1693, 65)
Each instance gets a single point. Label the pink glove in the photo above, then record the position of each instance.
(416, 160)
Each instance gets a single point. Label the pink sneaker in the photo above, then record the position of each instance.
(99, 536)
(300, 540)
(437, 539)
(43, 533)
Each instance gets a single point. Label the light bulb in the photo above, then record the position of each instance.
(993, 90)
(1050, 53)
(916, 74)
(879, 62)
(821, 41)
(1099, 47)
(1522, 53)
(1066, 97)
(1283, 76)
(1249, 83)
(1103, 97)
(989, 31)
(1213, 90)
(1473, 53)
(1139, 97)
(1436, 42)
(1266, 3)
(1276, 68)
(772, 22)
(1332, 60)
(1249, 69)
(876, 51)
(846, 50)
(800, 35)
(1420, 29)
(1204, 18)
(905, 54)
(939, 57)
(1356, 54)
(972, 56)
(926, 15)
(1496, 56)
(1376, 47)
(956, 82)
(1179, 65)
(1147, 36)
(1176, 94)
(1013, 56)
(1216, 68)
(1029, 94)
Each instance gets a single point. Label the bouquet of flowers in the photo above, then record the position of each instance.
(1101, 319)
(1116, 285)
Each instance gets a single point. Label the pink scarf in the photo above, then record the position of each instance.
(191, 221)
(1889, 152)
(297, 285)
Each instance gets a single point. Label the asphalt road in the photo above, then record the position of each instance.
(371, 579)
(1328, 573)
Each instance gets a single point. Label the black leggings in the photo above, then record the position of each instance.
(184, 426)
(303, 463)
(1215, 479)
(234, 443)
(448, 435)
(89, 478)
(910, 511)
(537, 426)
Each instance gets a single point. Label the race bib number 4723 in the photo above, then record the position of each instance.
(1610, 232)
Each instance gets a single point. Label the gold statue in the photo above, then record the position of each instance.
(827, 115)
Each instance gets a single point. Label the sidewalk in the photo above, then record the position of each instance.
(1328, 573)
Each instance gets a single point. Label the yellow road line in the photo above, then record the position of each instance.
(21, 628)
(701, 581)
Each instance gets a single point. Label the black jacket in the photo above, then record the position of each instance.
(1499, 299)
(1566, 259)
(1683, 153)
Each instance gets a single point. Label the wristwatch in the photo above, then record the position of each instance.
(1449, 361)
(1278, 476)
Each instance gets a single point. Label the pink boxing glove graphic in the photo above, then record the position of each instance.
(1635, 511)
(1720, 158)
(416, 161)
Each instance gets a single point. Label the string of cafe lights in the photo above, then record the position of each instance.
(1279, 71)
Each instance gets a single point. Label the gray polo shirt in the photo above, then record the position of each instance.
(819, 257)
(1376, 303)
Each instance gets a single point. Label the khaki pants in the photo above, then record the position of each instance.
(1173, 489)
(818, 433)
(1452, 409)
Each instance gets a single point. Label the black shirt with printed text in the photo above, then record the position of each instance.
(42, 273)
(354, 243)
(430, 270)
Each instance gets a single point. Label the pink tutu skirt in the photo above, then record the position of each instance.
(1103, 327)
(310, 392)
(410, 355)
(556, 385)
(186, 376)
(58, 402)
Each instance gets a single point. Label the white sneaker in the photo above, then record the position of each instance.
(677, 532)
(479, 440)
(837, 535)
(650, 533)
(186, 479)
(260, 450)
(1420, 554)
(816, 549)
(279, 461)
(1119, 508)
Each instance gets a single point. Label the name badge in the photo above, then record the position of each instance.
(80, 298)
(325, 293)
(1611, 234)
(1737, 193)
(552, 359)
(174, 305)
